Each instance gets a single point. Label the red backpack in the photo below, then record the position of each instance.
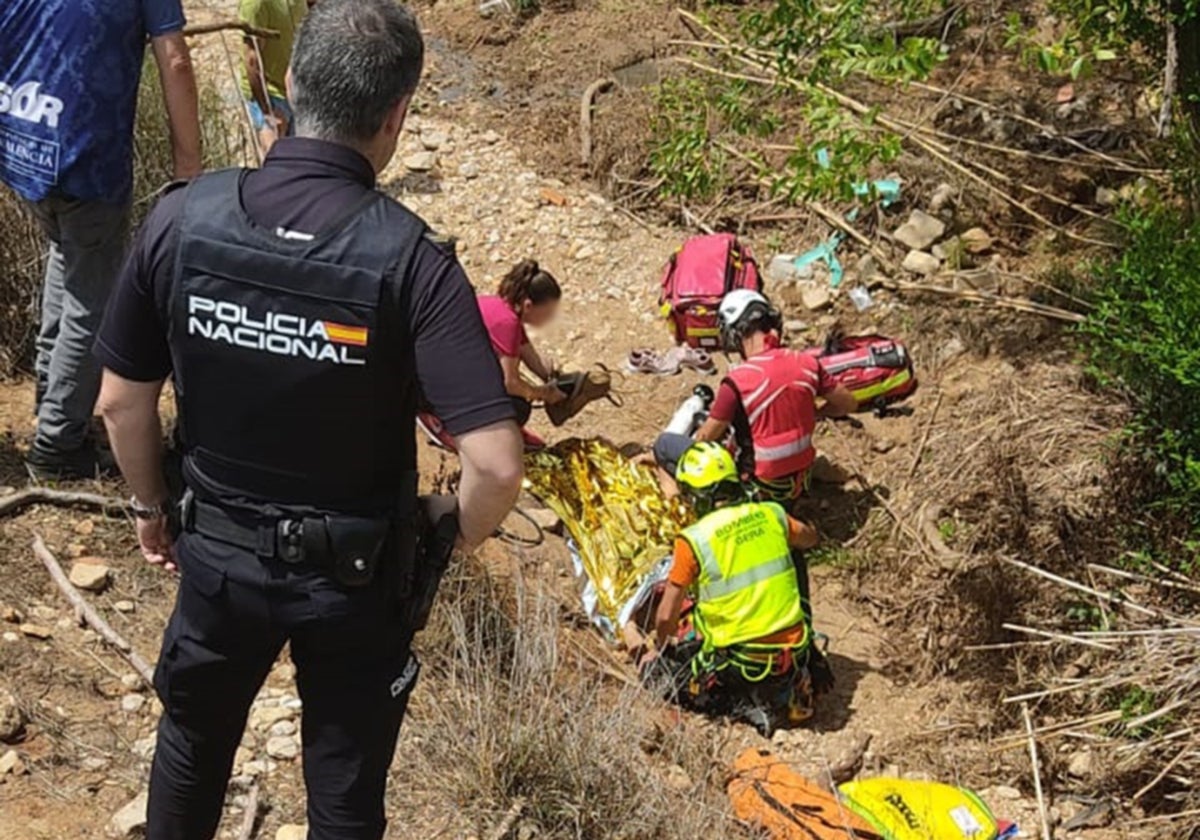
(695, 279)
(877, 370)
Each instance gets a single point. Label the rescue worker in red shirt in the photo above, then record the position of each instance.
(769, 400)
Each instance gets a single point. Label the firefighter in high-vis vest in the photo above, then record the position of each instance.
(751, 649)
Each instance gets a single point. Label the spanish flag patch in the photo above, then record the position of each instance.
(345, 334)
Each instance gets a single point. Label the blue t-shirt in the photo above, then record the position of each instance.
(69, 74)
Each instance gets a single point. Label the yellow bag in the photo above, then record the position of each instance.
(909, 810)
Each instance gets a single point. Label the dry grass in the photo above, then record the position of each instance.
(23, 248)
(507, 720)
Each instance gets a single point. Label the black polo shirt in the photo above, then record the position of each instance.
(304, 186)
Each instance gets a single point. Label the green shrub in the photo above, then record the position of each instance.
(23, 248)
(1144, 337)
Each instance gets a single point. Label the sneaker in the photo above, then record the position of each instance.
(85, 462)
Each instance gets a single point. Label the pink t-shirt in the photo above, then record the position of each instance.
(504, 327)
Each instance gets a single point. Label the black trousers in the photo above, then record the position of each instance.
(354, 674)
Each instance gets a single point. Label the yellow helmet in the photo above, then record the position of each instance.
(705, 466)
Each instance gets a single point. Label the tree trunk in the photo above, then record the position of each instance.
(1187, 45)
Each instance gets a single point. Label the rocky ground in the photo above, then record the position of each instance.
(79, 723)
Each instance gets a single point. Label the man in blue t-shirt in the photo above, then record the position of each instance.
(69, 75)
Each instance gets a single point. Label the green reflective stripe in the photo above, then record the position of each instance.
(763, 571)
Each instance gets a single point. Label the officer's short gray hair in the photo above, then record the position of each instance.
(352, 62)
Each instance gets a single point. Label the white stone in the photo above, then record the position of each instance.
(94, 763)
(9, 762)
(919, 262)
(257, 767)
(420, 161)
(283, 728)
(292, 832)
(131, 681)
(124, 606)
(144, 747)
(129, 819)
(469, 170)
(37, 631)
(132, 703)
(10, 636)
(1106, 197)
(489, 137)
(283, 748)
(920, 231)
(264, 717)
(782, 269)
(434, 140)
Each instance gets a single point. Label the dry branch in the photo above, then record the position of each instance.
(250, 817)
(1017, 304)
(505, 825)
(586, 105)
(230, 25)
(15, 502)
(89, 614)
(1037, 773)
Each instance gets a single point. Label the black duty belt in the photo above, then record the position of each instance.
(289, 540)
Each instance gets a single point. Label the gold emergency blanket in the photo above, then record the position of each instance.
(614, 510)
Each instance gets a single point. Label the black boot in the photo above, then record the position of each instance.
(85, 462)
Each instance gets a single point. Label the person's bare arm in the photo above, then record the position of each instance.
(667, 619)
(254, 75)
(179, 95)
(712, 429)
(838, 403)
(516, 385)
(534, 361)
(130, 412)
(492, 471)
(802, 535)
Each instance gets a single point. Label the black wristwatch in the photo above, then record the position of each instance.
(141, 511)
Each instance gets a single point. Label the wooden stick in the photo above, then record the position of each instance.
(1037, 773)
(14, 502)
(1059, 637)
(916, 461)
(1169, 584)
(89, 614)
(227, 25)
(250, 817)
(1187, 750)
(1087, 590)
(586, 104)
(510, 819)
(1000, 301)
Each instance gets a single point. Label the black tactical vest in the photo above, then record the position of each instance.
(293, 357)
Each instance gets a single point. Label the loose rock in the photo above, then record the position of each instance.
(242, 757)
(952, 349)
(264, 717)
(283, 748)
(782, 269)
(10, 762)
(132, 703)
(919, 262)
(942, 198)
(545, 519)
(131, 681)
(816, 297)
(920, 231)
(283, 728)
(676, 778)
(12, 615)
(469, 170)
(420, 162)
(795, 326)
(291, 832)
(1106, 197)
(36, 631)
(10, 636)
(976, 241)
(129, 819)
(124, 606)
(12, 718)
(434, 140)
(94, 763)
(1081, 764)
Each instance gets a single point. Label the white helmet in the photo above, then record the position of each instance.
(742, 309)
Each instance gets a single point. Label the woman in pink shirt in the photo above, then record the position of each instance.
(529, 296)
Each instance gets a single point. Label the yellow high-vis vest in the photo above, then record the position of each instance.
(747, 587)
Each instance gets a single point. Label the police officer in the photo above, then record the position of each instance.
(300, 314)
